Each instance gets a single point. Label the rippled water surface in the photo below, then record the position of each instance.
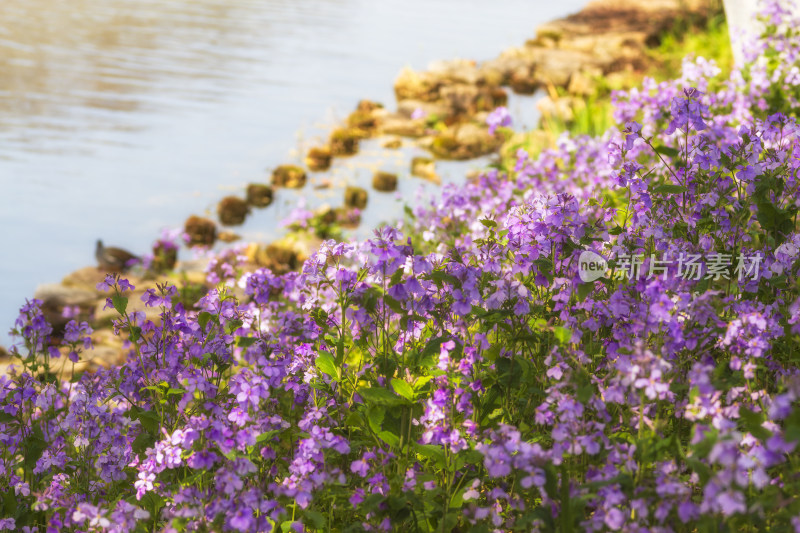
(122, 117)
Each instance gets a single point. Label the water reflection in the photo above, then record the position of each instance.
(71, 63)
(121, 117)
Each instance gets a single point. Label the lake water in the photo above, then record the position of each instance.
(122, 117)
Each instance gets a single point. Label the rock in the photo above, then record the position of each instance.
(466, 100)
(430, 110)
(403, 126)
(232, 211)
(259, 195)
(425, 168)
(290, 176)
(556, 66)
(384, 181)
(355, 197)
(545, 38)
(165, 255)
(228, 236)
(411, 85)
(498, 71)
(318, 158)
(366, 122)
(344, 141)
(465, 141)
(278, 257)
(393, 144)
(457, 71)
(201, 231)
(348, 218)
(522, 80)
(56, 295)
(490, 98)
(368, 106)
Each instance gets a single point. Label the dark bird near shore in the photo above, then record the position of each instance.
(114, 259)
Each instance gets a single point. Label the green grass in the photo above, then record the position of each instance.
(711, 42)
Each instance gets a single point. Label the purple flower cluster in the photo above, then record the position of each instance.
(454, 372)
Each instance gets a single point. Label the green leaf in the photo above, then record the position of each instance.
(314, 519)
(432, 452)
(379, 396)
(429, 355)
(389, 438)
(545, 265)
(203, 318)
(584, 290)
(152, 502)
(246, 342)
(6, 418)
(670, 189)
(563, 335)
(752, 423)
(397, 277)
(667, 151)
(9, 503)
(120, 303)
(149, 420)
(585, 393)
(320, 317)
(266, 435)
(403, 389)
(375, 418)
(142, 441)
(393, 304)
(421, 382)
(489, 223)
(327, 365)
(441, 278)
(233, 325)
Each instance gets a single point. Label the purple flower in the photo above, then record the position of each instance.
(357, 497)
(360, 467)
(687, 112)
(614, 519)
(497, 118)
(731, 502)
(107, 284)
